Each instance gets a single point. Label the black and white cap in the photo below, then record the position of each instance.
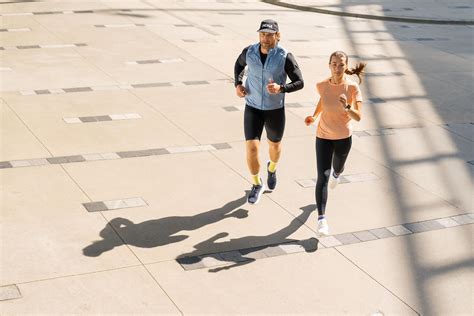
(268, 26)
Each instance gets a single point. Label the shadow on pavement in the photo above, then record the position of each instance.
(259, 244)
(159, 232)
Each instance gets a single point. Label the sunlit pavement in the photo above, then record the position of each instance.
(123, 177)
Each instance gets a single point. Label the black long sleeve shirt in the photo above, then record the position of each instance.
(291, 68)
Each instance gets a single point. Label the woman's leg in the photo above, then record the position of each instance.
(341, 151)
(324, 152)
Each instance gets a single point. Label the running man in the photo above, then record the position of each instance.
(268, 66)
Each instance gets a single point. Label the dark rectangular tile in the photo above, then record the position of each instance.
(88, 119)
(221, 146)
(42, 92)
(28, 46)
(80, 44)
(95, 206)
(151, 61)
(347, 239)
(377, 100)
(183, 25)
(158, 151)
(233, 256)
(127, 154)
(5, 165)
(103, 118)
(46, 12)
(190, 83)
(57, 160)
(151, 85)
(381, 232)
(365, 235)
(190, 263)
(78, 89)
(83, 11)
(231, 13)
(273, 251)
(254, 252)
(420, 227)
(75, 158)
(3, 30)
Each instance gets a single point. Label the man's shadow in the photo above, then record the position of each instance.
(245, 256)
(160, 232)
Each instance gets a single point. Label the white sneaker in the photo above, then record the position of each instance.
(323, 227)
(333, 181)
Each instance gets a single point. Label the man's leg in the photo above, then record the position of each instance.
(275, 127)
(274, 151)
(252, 156)
(253, 127)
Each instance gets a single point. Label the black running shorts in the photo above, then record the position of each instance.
(255, 120)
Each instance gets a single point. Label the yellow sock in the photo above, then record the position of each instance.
(256, 179)
(272, 166)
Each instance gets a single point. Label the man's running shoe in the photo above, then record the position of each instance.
(271, 179)
(255, 193)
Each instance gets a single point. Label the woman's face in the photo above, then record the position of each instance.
(338, 66)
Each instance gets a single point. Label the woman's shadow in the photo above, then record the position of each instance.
(160, 232)
(246, 256)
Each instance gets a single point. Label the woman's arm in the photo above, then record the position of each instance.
(310, 119)
(355, 112)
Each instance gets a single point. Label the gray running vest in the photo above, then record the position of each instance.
(258, 76)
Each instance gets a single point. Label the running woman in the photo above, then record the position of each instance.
(268, 66)
(340, 102)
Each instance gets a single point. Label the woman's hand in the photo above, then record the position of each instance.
(309, 120)
(343, 100)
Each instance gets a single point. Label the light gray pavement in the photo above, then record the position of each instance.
(123, 175)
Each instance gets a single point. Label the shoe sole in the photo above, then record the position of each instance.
(320, 234)
(258, 196)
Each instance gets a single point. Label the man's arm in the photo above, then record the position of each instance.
(294, 73)
(239, 67)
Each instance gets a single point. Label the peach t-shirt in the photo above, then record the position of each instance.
(334, 122)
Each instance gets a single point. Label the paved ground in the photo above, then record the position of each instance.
(123, 176)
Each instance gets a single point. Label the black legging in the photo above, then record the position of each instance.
(327, 151)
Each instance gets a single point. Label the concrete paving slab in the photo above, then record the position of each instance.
(55, 239)
(17, 138)
(97, 293)
(428, 280)
(151, 131)
(292, 291)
